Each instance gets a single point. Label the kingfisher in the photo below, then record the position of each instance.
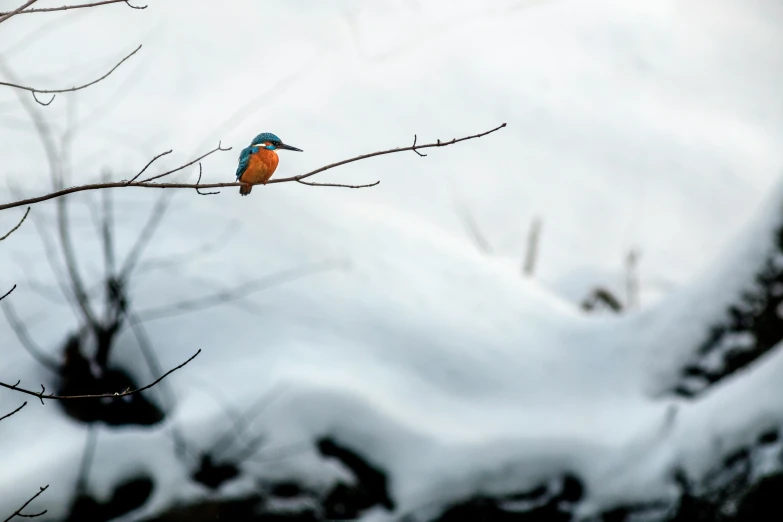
(258, 161)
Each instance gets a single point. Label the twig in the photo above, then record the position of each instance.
(153, 160)
(438, 143)
(69, 7)
(42, 394)
(219, 148)
(414, 146)
(337, 184)
(199, 181)
(147, 184)
(15, 411)
(17, 225)
(8, 14)
(8, 293)
(35, 90)
(18, 512)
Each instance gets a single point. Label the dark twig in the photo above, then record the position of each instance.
(8, 293)
(8, 14)
(414, 147)
(39, 102)
(15, 411)
(153, 160)
(199, 181)
(75, 6)
(18, 512)
(146, 184)
(336, 184)
(35, 90)
(42, 394)
(219, 148)
(17, 225)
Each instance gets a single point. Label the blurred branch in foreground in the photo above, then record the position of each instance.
(150, 182)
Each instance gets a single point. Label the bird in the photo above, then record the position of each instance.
(258, 161)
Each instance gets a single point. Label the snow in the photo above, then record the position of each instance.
(630, 124)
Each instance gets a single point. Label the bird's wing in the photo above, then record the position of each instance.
(244, 159)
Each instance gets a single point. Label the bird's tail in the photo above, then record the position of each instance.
(245, 189)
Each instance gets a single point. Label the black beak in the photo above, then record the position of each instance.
(288, 147)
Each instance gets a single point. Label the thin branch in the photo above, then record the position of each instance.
(15, 411)
(147, 184)
(17, 225)
(18, 512)
(414, 146)
(42, 394)
(337, 184)
(438, 143)
(219, 148)
(20, 330)
(70, 7)
(8, 14)
(199, 181)
(35, 90)
(153, 160)
(8, 293)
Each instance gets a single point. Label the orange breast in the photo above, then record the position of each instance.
(260, 167)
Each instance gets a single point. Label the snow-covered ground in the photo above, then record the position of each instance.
(630, 125)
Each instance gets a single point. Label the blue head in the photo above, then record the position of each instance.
(270, 141)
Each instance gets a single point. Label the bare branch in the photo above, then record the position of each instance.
(438, 143)
(70, 7)
(199, 181)
(8, 14)
(17, 225)
(146, 183)
(337, 184)
(35, 90)
(42, 394)
(414, 147)
(219, 148)
(8, 293)
(18, 512)
(153, 160)
(15, 411)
